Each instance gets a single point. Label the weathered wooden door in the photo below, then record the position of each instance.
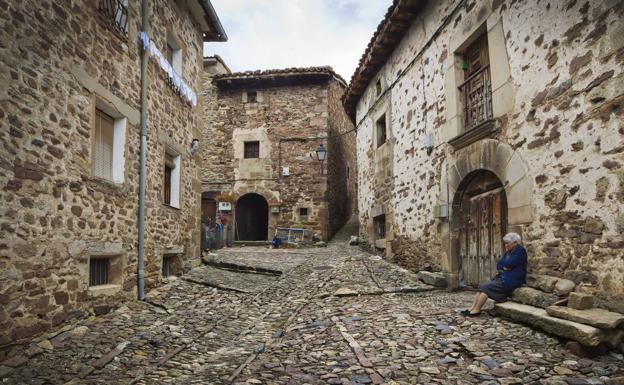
(481, 228)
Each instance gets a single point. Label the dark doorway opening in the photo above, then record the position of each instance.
(479, 223)
(252, 218)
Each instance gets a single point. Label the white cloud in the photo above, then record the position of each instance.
(266, 34)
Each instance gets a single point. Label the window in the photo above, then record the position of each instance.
(378, 88)
(166, 265)
(109, 137)
(99, 269)
(171, 181)
(252, 150)
(303, 211)
(173, 53)
(116, 12)
(381, 130)
(476, 90)
(252, 96)
(379, 224)
(348, 172)
(103, 157)
(171, 265)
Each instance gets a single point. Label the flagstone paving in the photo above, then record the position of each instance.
(334, 315)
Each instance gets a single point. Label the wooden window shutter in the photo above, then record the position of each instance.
(103, 156)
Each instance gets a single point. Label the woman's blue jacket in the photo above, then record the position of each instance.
(516, 262)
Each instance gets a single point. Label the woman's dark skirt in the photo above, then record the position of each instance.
(494, 289)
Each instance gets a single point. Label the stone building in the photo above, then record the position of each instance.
(476, 118)
(260, 169)
(69, 149)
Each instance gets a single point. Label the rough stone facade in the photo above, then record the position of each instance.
(555, 143)
(289, 112)
(59, 62)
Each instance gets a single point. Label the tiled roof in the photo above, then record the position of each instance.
(293, 73)
(389, 33)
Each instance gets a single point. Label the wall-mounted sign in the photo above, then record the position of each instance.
(275, 210)
(225, 206)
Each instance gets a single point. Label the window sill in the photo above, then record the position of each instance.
(107, 185)
(104, 290)
(487, 129)
(171, 207)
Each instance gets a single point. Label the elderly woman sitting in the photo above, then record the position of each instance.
(512, 270)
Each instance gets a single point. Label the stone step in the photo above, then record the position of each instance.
(537, 317)
(595, 317)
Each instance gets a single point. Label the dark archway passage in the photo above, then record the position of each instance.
(252, 218)
(480, 221)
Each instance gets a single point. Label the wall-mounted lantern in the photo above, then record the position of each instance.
(321, 153)
(428, 143)
(194, 146)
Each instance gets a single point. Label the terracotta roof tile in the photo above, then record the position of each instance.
(275, 73)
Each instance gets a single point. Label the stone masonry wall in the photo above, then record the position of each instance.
(57, 61)
(289, 122)
(341, 163)
(563, 122)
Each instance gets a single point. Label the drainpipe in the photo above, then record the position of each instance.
(144, 78)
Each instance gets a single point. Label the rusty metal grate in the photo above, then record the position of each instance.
(476, 92)
(116, 11)
(99, 271)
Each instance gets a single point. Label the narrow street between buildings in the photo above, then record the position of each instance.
(333, 315)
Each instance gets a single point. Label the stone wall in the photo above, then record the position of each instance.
(58, 61)
(289, 122)
(557, 148)
(341, 163)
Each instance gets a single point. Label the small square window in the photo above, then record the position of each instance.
(381, 130)
(99, 271)
(252, 150)
(303, 211)
(252, 96)
(171, 265)
(378, 88)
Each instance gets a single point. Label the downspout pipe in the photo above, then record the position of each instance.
(142, 173)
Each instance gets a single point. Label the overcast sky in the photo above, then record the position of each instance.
(270, 34)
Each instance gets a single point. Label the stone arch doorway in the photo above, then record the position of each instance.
(252, 218)
(479, 223)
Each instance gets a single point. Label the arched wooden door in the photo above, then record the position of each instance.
(482, 224)
(252, 218)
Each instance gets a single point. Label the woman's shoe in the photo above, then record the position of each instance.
(474, 314)
(465, 312)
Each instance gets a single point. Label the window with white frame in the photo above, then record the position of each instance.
(171, 180)
(109, 138)
(174, 54)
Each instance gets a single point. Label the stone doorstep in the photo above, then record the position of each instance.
(537, 317)
(599, 318)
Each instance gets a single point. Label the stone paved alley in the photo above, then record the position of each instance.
(264, 328)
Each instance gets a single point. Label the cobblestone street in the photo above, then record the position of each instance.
(335, 315)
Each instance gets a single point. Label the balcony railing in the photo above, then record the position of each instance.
(476, 93)
(116, 12)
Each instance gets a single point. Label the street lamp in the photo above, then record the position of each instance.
(321, 153)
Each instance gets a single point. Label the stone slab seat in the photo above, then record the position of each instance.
(537, 317)
(599, 318)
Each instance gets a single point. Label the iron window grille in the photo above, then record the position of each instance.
(252, 96)
(99, 269)
(381, 131)
(252, 150)
(303, 211)
(476, 92)
(116, 12)
(167, 265)
(379, 224)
